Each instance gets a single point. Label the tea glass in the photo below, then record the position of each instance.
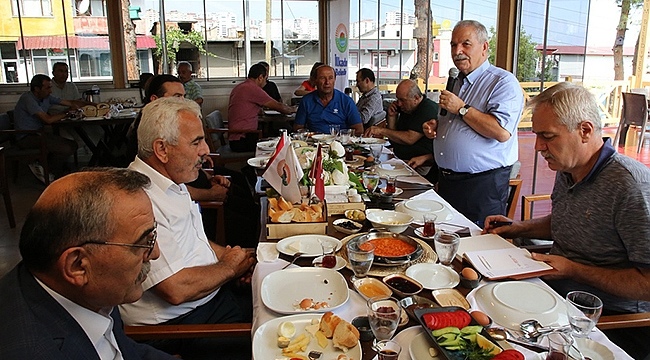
(384, 315)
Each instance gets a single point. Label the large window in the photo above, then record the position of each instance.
(31, 8)
(225, 38)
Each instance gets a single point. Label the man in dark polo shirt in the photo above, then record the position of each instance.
(405, 118)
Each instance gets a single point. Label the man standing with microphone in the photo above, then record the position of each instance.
(475, 137)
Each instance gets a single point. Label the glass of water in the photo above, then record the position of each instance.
(583, 310)
(384, 314)
(446, 244)
(360, 255)
(345, 136)
(335, 131)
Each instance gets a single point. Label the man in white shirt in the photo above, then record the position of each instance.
(86, 246)
(185, 283)
(63, 89)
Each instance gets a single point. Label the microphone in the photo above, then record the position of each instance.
(453, 75)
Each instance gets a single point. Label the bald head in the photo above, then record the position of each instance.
(408, 96)
(73, 210)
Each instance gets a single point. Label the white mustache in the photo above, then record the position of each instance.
(143, 272)
(460, 57)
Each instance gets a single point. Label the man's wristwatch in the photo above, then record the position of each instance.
(463, 111)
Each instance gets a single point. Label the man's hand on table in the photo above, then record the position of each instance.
(220, 180)
(240, 260)
(498, 224)
(417, 161)
(374, 131)
(564, 268)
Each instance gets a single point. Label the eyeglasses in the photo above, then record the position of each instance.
(151, 242)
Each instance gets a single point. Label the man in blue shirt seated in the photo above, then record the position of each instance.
(86, 247)
(600, 218)
(327, 106)
(31, 114)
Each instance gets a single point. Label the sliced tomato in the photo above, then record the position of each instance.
(509, 354)
(431, 320)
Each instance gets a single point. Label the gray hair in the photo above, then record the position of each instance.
(481, 31)
(80, 214)
(183, 63)
(161, 120)
(572, 104)
(414, 89)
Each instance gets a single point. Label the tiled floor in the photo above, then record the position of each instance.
(26, 190)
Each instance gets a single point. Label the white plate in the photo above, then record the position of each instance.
(393, 170)
(258, 162)
(397, 192)
(91, 118)
(589, 348)
(322, 137)
(433, 276)
(340, 263)
(371, 140)
(267, 145)
(271, 112)
(419, 233)
(511, 302)
(307, 244)
(338, 227)
(283, 290)
(265, 339)
(419, 348)
(417, 208)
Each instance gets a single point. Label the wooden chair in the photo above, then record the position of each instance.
(527, 202)
(4, 188)
(635, 113)
(154, 332)
(607, 322)
(216, 136)
(513, 195)
(13, 153)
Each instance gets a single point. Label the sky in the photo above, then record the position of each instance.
(567, 24)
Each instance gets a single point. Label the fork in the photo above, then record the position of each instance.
(295, 257)
(314, 355)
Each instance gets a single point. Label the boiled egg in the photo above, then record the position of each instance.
(481, 318)
(469, 274)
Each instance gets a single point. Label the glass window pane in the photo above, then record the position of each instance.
(301, 44)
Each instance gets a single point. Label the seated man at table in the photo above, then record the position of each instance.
(229, 186)
(370, 103)
(186, 284)
(31, 114)
(86, 247)
(405, 117)
(192, 89)
(63, 89)
(327, 106)
(600, 222)
(246, 102)
(270, 88)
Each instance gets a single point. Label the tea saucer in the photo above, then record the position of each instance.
(419, 232)
(340, 262)
(397, 192)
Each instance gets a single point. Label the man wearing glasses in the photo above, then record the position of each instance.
(185, 284)
(86, 247)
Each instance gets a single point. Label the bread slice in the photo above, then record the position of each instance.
(328, 323)
(346, 336)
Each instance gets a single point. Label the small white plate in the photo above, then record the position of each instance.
(393, 170)
(258, 162)
(309, 245)
(267, 145)
(419, 348)
(266, 337)
(358, 160)
(340, 263)
(397, 192)
(322, 137)
(370, 140)
(337, 225)
(419, 207)
(282, 290)
(419, 232)
(434, 276)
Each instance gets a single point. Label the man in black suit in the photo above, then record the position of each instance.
(86, 247)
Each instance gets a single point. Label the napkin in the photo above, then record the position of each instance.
(267, 252)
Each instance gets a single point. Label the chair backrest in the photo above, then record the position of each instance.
(513, 195)
(376, 118)
(5, 124)
(635, 109)
(214, 120)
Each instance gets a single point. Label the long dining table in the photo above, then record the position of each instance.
(415, 187)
